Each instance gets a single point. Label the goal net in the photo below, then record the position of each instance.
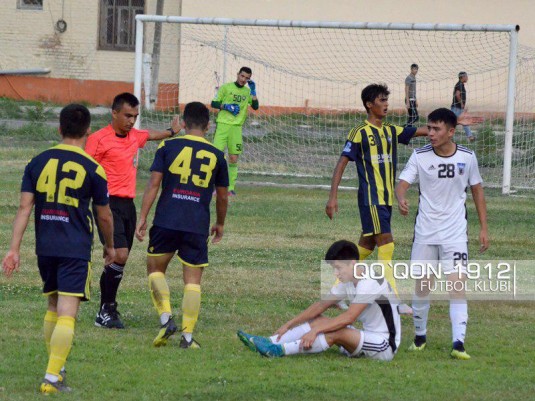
(310, 75)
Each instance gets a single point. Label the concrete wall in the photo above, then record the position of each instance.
(82, 72)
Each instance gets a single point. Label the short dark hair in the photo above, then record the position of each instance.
(372, 92)
(342, 250)
(247, 70)
(462, 74)
(123, 98)
(74, 121)
(196, 115)
(414, 66)
(444, 115)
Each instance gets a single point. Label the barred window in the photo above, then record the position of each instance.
(117, 24)
(30, 4)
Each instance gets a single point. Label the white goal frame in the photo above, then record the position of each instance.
(513, 49)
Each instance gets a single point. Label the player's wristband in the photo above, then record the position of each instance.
(173, 133)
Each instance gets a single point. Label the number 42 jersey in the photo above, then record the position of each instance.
(443, 181)
(191, 168)
(64, 179)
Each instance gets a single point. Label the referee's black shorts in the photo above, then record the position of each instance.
(124, 222)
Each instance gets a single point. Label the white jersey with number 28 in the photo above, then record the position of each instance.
(443, 182)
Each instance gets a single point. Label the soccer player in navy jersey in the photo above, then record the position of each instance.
(187, 168)
(60, 182)
(373, 147)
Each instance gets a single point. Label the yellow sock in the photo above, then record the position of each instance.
(49, 325)
(364, 252)
(385, 254)
(191, 305)
(159, 292)
(60, 344)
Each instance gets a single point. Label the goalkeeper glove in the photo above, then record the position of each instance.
(232, 108)
(252, 85)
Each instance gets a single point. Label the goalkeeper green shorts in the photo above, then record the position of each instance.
(228, 136)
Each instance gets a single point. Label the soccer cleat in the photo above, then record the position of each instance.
(108, 317)
(415, 347)
(249, 340)
(189, 344)
(267, 348)
(232, 193)
(418, 344)
(63, 376)
(462, 355)
(166, 331)
(47, 387)
(404, 309)
(246, 339)
(458, 351)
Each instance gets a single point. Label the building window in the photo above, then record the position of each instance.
(30, 4)
(118, 24)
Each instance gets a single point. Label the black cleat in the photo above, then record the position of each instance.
(166, 331)
(189, 344)
(108, 317)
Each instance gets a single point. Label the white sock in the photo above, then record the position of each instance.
(294, 347)
(164, 318)
(420, 311)
(188, 336)
(51, 378)
(459, 319)
(292, 335)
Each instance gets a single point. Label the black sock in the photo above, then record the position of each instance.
(459, 346)
(109, 283)
(419, 340)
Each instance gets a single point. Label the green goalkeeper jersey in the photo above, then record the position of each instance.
(230, 93)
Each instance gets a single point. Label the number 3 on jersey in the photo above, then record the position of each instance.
(47, 181)
(182, 166)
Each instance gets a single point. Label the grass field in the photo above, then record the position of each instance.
(265, 270)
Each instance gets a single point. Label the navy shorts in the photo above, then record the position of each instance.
(65, 276)
(191, 248)
(375, 219)
(124, 222)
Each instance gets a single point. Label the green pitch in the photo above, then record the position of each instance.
(264, 271)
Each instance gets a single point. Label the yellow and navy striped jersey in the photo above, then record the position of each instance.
(64, 179)
(374, 151)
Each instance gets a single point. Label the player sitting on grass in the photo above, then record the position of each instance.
(188, 169)
(444, 171)
(371, 302)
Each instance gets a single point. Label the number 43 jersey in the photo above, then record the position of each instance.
(64, 179)
(443, 181)
(192, 167)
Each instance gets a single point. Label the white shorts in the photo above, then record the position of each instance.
(371, 345)
(452, 257)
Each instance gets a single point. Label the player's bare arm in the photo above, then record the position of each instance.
(159, 135)
(332, 204)
(11, 261)
(401, 191)
(313, 311)
(481, 208)
(329, 325)
(150, 194)
(463, 119)
(105, 223)
(221, 212)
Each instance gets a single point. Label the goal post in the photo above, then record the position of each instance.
(310, 74)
